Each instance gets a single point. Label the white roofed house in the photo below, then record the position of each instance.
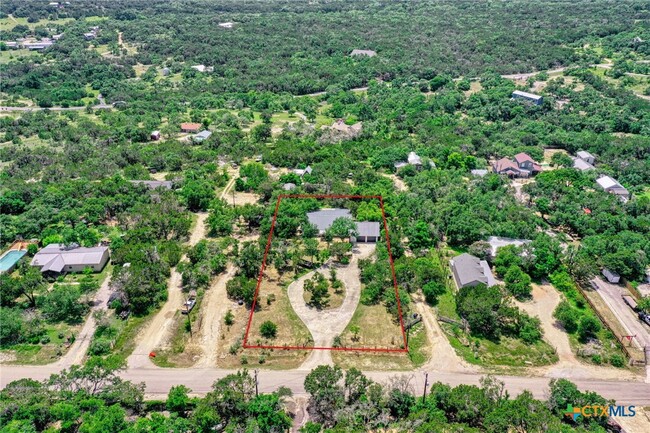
(303, 171)
(412, 159)
(586, 156)
(535, 99)
(367, 53)
(582, 165)
(612, 186)
(59, 258)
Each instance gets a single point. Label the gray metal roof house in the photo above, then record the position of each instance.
(470, 271)
(612, 186)
(153, 184)
(367, 231)
(324, 218)
(203, 135)
(58, 258)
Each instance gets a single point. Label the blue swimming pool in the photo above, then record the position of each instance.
(9, 259)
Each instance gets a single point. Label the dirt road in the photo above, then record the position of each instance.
(79, 348)
(443, 356)
(160, 326)
(214, 307)
(326, 325)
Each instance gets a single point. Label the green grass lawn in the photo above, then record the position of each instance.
(7, 24)
(14, 55)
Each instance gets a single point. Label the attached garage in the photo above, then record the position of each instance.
(368, 231)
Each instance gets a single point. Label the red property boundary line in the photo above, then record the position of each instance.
(263, 268)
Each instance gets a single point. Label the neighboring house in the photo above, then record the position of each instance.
(203, 68)
(479, 172)
(497, 242)
(57, 258)
(522, 165)
(582, 165)
(289, 186)
(470, 271)
(154, 184)
(302, 171)
(611, 276)
(367, 53)
(203, 135)
(228, 25)
(586, 156)
(190, 127)
(166, 71)
(341, 126)
(535, 99)
(612, 186)
(367, 231)
(155, 135)
(412, 159)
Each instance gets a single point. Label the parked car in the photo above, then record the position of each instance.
(188, 305)
(644, 317)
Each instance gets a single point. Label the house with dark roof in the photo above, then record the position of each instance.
(471, 271)
(522, 165)
(611, 276)
(59, 258)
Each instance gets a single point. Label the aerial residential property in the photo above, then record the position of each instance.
(522, 165)
(59, 258)
(275, 216)
(529, 97)
(469, 271)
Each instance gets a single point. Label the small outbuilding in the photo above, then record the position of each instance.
(368, 231)
(611, 276)
(586, 156)
(155, 135)
(201, 136)
(154, 184)
(289, 186)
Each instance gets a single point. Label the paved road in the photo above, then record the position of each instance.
(159, 380)
(611, 294)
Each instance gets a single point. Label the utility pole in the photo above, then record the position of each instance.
(256, 390)
(426, 383)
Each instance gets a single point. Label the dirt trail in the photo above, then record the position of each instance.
(325, 325)
(77, 351)
(443, 356)
(213, 308)
(159, 327)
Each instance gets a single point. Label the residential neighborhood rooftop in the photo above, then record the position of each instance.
(55, 257)
(324, 218)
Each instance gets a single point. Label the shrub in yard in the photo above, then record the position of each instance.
(229, 319)
(269, 329)
(99, 347)
(588, 328)
(597, 359)
(45, 339)
(617, 360)
(567, 316)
